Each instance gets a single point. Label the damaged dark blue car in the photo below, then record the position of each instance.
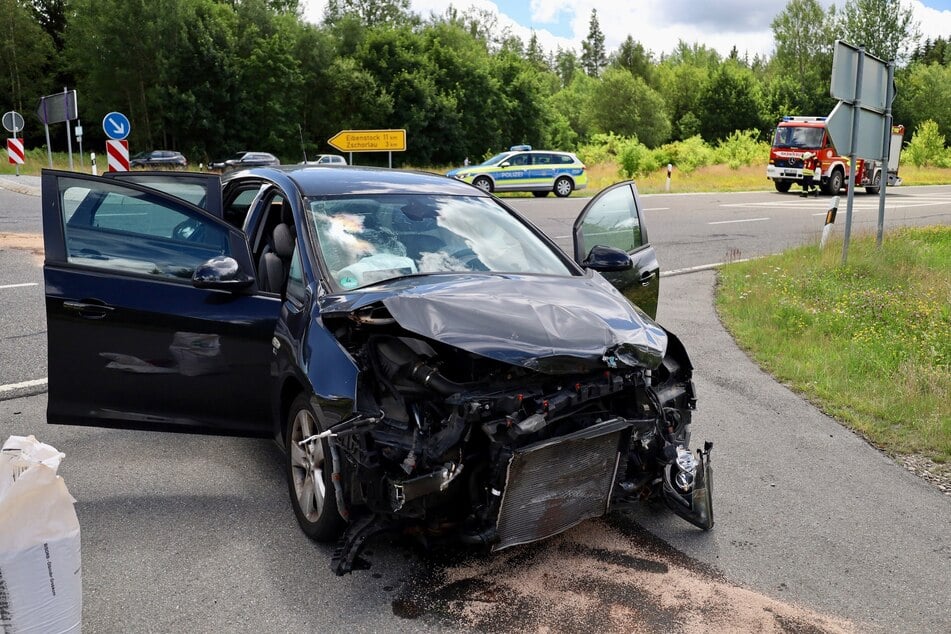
(430, 361)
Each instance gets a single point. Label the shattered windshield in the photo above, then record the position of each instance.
(368, 239)
(798, 137)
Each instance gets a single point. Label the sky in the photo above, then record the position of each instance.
(657, 24)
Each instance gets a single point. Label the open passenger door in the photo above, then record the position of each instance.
(614, 219)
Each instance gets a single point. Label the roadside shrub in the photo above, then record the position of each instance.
(636, 160)
(686, 155)
(603, 148)
(741, 148)
(926, 148)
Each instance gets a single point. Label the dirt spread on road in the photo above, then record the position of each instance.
(32, 242)
(606, 575)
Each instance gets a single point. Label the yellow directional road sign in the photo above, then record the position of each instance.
(369, 140)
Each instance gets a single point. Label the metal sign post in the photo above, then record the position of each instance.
(79, 139)
(856, 104)
(886, 153)
(58, 108)
(69, 132)
(860, 124)
(13, 122)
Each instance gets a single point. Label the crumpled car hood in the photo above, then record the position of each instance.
(555, 325)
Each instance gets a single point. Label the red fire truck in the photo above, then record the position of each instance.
(795, 136)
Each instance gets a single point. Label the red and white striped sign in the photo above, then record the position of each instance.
(118, 152)
(15, 151)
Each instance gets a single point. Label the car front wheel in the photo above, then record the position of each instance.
(309, 468)
(563, 187)
(483, 183)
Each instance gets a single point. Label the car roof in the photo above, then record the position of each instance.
(318, 180)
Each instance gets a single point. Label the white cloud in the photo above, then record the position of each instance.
(934, 22)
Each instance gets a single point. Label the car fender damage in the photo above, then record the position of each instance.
(496, 423)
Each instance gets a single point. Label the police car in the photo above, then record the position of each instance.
(522, 169)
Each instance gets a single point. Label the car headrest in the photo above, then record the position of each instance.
(283, 240)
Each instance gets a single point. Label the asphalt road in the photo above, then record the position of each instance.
(188, 532)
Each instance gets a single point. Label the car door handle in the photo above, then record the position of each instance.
(646, 277)
(89, 309)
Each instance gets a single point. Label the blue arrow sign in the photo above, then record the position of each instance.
(116, 126)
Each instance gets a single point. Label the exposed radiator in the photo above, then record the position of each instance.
(558, 483)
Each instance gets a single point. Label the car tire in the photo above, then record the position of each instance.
(563, 187)
(782, 186)
(309, 475)
(835, 182)
(876, 185)
(484, 183)
(538, 194)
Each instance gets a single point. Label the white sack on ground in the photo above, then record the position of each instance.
(40, 566)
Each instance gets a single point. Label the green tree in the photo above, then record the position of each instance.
(679, 78)
(926, 147)
(110, 46)
(923, 91)
(627, 106)
(633, 57)
(535, 54)
(572, 102)
(566, 65)
(370, 12)
(270, 88)
(525, 115)
(593, 55)
(886, 28)
(729, 101)
(25, 51)
(51, 14)
(803, 58)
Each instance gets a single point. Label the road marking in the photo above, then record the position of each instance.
(905, 202)
(19, 285)
(12, 387)
(727, 222)
(656, 208)
(703, 267)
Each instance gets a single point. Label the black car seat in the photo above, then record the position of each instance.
(275, 260)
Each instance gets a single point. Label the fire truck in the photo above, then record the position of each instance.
(795, 136)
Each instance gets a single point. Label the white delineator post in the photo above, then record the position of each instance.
(670, 168)
(830, 221)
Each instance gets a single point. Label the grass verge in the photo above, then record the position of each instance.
(868, 342)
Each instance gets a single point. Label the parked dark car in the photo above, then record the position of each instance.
(159, 158)
(429, 360)
(243, 159)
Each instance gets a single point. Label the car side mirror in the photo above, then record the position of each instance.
(607, 259)
(504, 164)
(221, 273)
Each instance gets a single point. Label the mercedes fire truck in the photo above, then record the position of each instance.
(796, 136)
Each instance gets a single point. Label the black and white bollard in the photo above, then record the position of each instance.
(830, 221)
